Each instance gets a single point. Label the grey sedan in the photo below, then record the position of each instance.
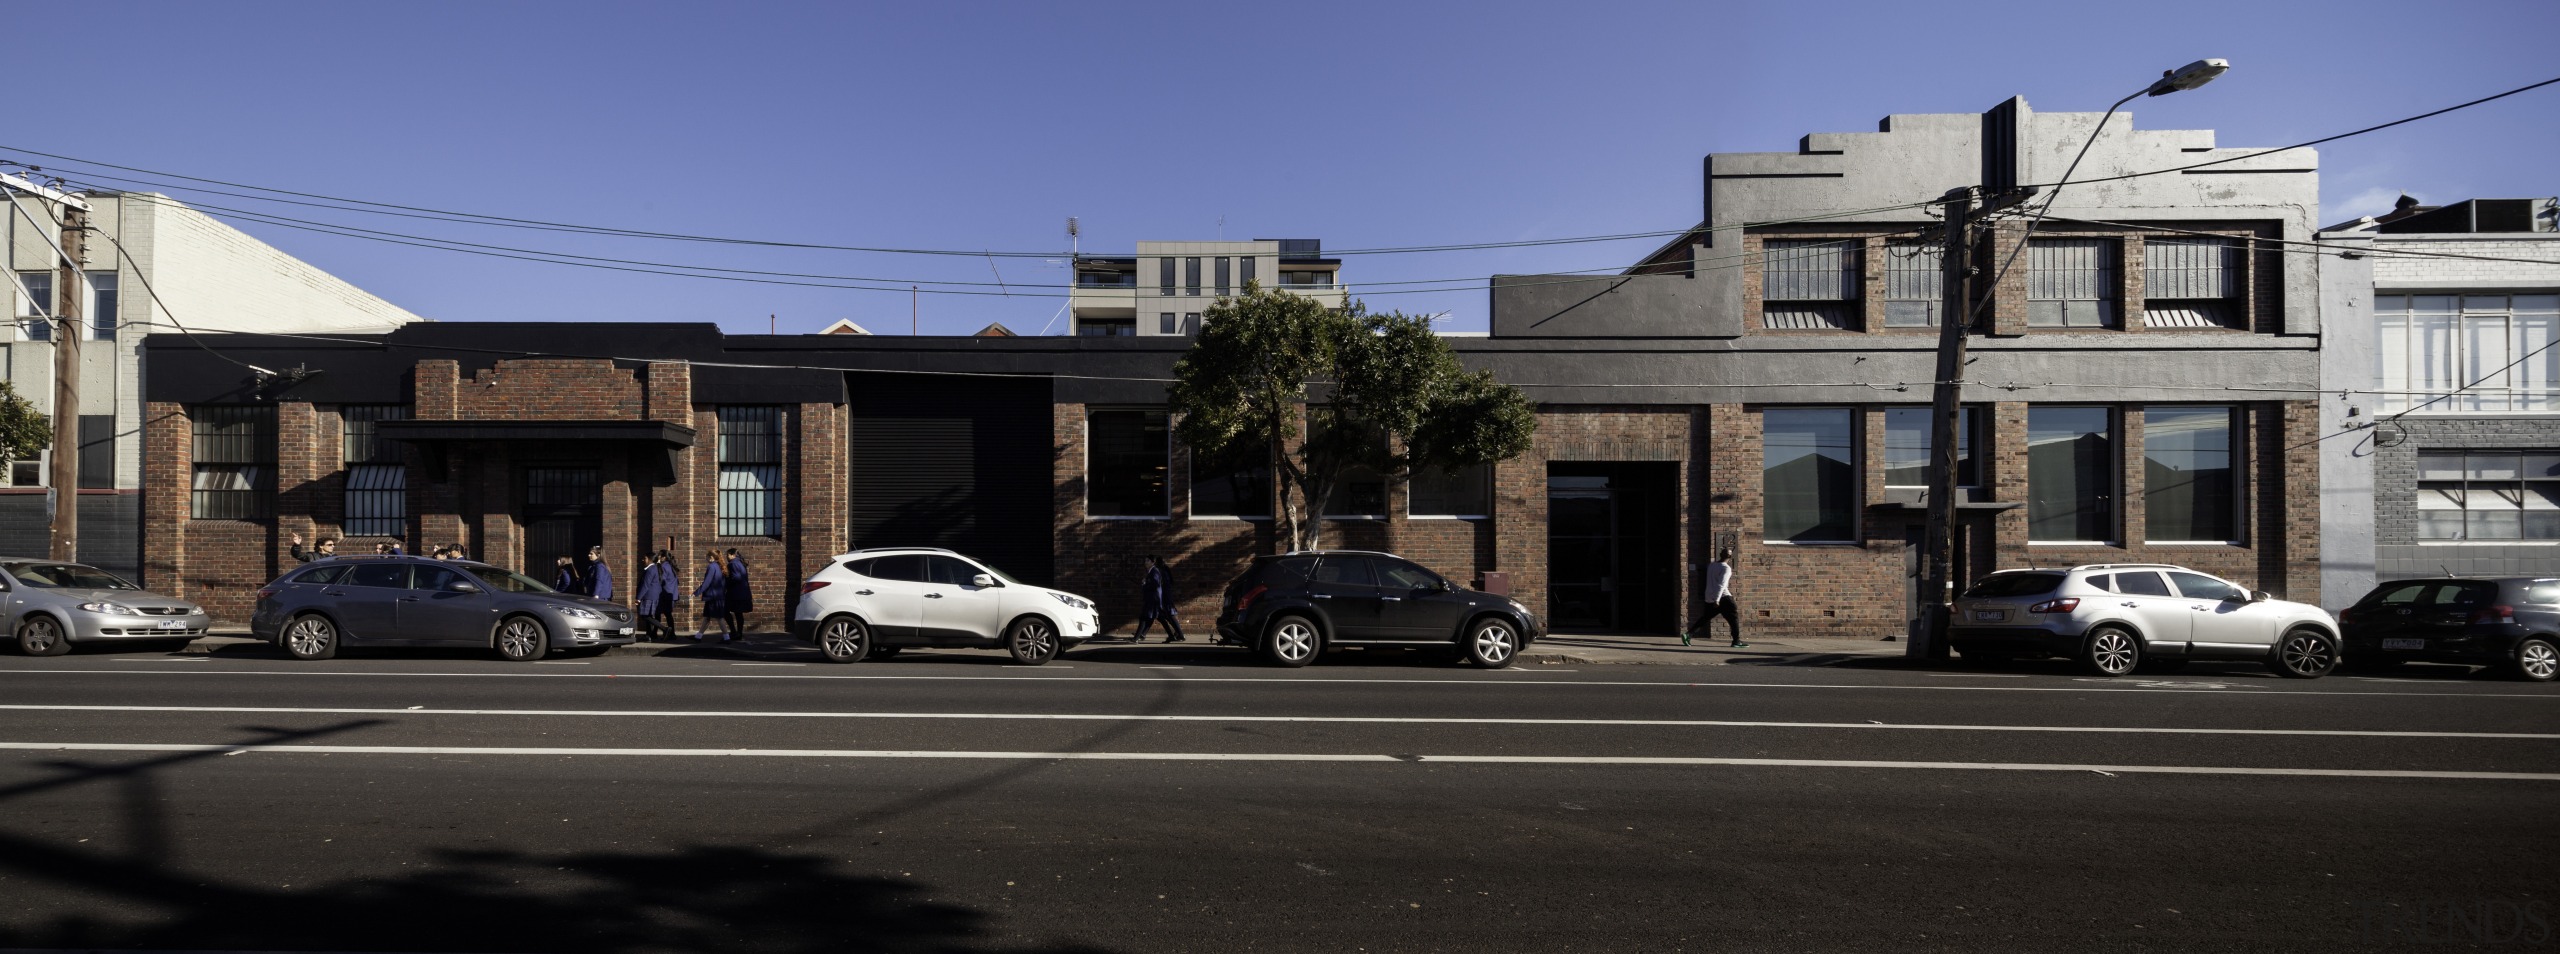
(50, 605)
(415, 601)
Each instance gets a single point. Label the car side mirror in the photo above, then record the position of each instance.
(465, 588)
(2260, 596)
(982, 580)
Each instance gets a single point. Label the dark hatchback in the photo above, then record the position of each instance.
(1293, 606)
(2508, 623)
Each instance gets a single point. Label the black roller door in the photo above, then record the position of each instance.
(958, 462)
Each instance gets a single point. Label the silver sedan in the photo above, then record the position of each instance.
(49, 605)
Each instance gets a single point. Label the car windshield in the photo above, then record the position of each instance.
(1000, 575)
(2000, 585)
(66, 576)
(505, 582)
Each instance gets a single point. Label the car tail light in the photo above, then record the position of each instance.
(813, 586)
(266, 591)
(2495, 614)
(1247, 599)
(2064, 605)
(2348, 615)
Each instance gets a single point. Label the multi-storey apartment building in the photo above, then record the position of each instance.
(2446, 322)
(153, 265)
(2149, 388)
(1163, 289)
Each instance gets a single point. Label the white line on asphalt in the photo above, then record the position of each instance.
(1978, 675)
(1459, 680)
(1268, 757)
(1365, 720)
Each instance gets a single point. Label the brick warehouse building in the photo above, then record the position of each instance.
(2147, 391)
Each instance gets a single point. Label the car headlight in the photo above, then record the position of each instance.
(1076, 602)
(577, 612)
(111, 609)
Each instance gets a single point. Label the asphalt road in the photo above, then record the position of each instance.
(1178, 802)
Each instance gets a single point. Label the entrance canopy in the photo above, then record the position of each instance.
(434, 437)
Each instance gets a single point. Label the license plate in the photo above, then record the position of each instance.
(173, 624)
(2404, 644)
(626, 631)
(1991, 616)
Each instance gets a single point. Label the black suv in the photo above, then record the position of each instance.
(1292, 606)
(2512, 623)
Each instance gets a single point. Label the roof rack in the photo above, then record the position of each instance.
(2129, 566)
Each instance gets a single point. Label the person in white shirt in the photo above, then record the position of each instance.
(1717, 582)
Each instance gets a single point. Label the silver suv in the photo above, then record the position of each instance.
(2112, 617)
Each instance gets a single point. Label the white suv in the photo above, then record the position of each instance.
(2112, 617)
(875, 602)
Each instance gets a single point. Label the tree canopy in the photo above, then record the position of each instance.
(23, 432)
(1379, 390)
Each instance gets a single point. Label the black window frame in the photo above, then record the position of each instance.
(1832, 506)
(1110, 493)
(1968, 446)
(375, 484)
(750, 450)
(238, 440)
(2160, 492)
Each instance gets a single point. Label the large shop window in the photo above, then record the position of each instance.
(1128, 452)
(2071, 283)
(377, 482)
(2488, 496)
(2071, 475)
(1360, 487)
(1234, 481)
(1914, 284)
(2190, 487)
(1906, 448)
(751, 471)
(2502, 346)
(1445, 492)
(1809, 475)
(1809, 284)
(235, 462)
(2191, 283)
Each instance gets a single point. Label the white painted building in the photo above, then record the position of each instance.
(152, 264)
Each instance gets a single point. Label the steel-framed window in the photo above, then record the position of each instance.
(2459, 354)
(750, 471)
(1809, 475)
(234, 461)
(2492, 496)
(1191, 276)
(1914, 284)
(1907, 456)
(1128, 454)
(1231, 482)
(102, 306)
(2191, 488)
(377, 482)
(38, 302)
(2071, 474)
(2191, 283)
(1223, 266)
(1462, 492)
(1164, 275)
(2071, 283)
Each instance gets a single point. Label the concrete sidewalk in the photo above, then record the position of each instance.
(1556, 650)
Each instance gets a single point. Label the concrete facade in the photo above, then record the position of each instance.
(169, 265)
(1132, 295)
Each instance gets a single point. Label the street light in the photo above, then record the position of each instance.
(1938, 576)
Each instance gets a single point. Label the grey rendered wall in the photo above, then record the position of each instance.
(2347, 361)
(2395, 477)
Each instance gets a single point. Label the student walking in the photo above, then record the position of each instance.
(658, 595)
(565, 578)
(326, 548)
(713, 591)
(1155, 601)
(1717, 583)
(741, 598)
(599, 576)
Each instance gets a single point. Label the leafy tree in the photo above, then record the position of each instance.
(1369, 384)
(23, 432)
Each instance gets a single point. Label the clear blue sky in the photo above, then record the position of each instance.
(983, 126)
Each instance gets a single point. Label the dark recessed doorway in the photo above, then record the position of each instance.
(1613, 547)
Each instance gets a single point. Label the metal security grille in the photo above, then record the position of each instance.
(751, 471)
(1805, 283)
(377, 500)
(2071, 283)
(2190, 282)
(1914, 285)
(359, 419)
(235, 455)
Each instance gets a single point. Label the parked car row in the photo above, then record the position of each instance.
(2111, 619)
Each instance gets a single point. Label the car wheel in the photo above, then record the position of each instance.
(2110, 651)
(1293, 641)
(1492, 644)
(41, 636)
(523, 639)
(2304, 654)
(844, 639)
(1032, 641)
(2536, 660)
(310, 636)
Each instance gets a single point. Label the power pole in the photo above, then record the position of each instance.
(65, 493)
(1945, 410)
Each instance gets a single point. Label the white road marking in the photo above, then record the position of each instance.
(1319, 680)
(1264, 757)
(1366, 720)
